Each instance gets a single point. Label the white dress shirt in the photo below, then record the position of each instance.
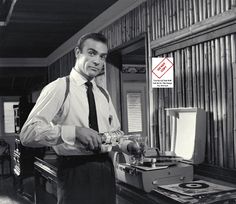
(52, 124)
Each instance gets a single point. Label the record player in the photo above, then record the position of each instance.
(188, 137)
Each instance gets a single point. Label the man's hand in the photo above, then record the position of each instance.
(88, 137)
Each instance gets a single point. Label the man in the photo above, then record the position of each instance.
(85, 173)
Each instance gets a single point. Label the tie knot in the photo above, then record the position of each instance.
(89, 84)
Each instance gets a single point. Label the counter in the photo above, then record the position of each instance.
(46, 187)
(46, 182)
(45, 173)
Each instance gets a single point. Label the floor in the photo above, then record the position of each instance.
(8, 194)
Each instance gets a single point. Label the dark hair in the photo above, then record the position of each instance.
(95, 36)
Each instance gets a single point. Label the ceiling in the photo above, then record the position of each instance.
(37, 28)
(34, 30)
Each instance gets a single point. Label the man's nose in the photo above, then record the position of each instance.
(97, 61)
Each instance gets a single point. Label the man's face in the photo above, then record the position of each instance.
(91, 59)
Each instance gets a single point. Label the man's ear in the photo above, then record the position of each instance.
(77, 52)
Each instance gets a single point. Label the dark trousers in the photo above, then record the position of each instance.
(86, 180)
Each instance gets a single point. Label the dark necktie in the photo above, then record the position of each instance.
(93, 123)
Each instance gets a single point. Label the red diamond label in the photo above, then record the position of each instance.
(162, 72)
(162, 67)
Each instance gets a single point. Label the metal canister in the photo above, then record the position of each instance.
(111, 137)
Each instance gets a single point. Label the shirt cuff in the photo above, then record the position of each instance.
(68, 134)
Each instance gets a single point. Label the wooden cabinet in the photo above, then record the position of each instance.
(46, 186)
(45, 181)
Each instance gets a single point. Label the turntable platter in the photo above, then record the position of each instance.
(149, 168)
(162, 161)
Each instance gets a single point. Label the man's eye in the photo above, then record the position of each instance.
(91, 53)
(103, 57)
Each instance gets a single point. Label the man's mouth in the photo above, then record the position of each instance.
(94, 69)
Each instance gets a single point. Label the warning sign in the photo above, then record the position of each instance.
(162, 72)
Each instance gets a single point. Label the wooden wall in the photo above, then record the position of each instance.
(62, 66)
(204, 77)
(127, 28)
(168, 16)
(204, 55)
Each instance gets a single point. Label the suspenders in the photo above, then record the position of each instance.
(68, 89)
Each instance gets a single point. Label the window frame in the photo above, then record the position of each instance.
(7, 99)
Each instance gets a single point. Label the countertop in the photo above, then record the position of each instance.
(137, 196)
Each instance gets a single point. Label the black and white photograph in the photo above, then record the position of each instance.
(118, 102)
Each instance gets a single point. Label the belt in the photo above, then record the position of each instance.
(80, 158)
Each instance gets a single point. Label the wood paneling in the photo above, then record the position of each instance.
(200, 35)
(127, 28)
(204, 79)
(61, 67)
(172, 15)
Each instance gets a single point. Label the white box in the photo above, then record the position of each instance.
(188, 136)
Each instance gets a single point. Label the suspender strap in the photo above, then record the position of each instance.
(67, 88)
(104, 92)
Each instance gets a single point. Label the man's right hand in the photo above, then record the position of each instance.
(88, 137)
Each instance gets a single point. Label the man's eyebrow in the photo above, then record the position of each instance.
(91, 49)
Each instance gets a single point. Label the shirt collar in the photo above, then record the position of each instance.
(79, 79)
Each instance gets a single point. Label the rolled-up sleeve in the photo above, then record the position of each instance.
(39, 130)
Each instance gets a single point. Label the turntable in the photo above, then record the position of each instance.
(188, 136)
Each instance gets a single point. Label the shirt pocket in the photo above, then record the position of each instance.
(110, 119)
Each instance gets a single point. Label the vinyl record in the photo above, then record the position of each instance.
(194, 185)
